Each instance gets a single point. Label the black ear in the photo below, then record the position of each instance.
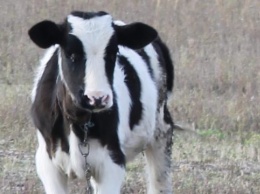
(45, 34)
(135, 35)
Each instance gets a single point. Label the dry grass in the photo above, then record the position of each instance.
(215, 46)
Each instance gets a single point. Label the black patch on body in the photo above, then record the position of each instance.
(167, 116)
(166, 62)
(134, 87)
(146, 58)
(169, 134)
(45, 110)
(105, 130)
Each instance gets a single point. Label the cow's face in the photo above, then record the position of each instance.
(87, 55)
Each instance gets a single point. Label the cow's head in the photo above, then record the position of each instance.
(88, 52)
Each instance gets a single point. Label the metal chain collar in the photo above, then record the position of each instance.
(84, 150)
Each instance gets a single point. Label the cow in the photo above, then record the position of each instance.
(99, 99)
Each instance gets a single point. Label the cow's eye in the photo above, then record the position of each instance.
(75, 58)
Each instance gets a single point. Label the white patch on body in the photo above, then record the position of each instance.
(107, 176)
(54, 181)
(39, 72)
(155, 64)
(124, 105)
(134, 141)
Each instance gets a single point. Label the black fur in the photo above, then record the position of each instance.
(136, 35)
(45, 34)
(146, 58)
(45, 110)
(88, 15)
(166, 61)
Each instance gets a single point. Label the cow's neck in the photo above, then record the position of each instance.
(72, 115)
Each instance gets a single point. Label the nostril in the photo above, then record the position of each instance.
(96, 99)
(90, 100)
(105, 100)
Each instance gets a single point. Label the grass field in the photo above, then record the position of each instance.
(216, 48)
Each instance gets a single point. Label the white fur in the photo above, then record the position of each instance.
(124, 104)
(107, 176)
(134, 141)
(76, 159)
(41, 68)
(155, 64)
(119, 23)
(54, 181)
(94, 34)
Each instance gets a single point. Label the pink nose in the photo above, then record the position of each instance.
(97, 99)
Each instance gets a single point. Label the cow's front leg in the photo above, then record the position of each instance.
(108, 177)
(107, 168)
(54, 181)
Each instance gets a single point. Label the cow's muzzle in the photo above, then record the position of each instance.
(97, 100)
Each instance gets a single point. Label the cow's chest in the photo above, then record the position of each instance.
(73, 163)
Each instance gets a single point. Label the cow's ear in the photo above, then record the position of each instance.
(45, 34)
(136, 35)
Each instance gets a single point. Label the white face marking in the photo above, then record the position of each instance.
(94, 34)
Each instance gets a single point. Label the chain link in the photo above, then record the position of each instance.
(84, 150)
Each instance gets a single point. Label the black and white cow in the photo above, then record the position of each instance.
(120, 76)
